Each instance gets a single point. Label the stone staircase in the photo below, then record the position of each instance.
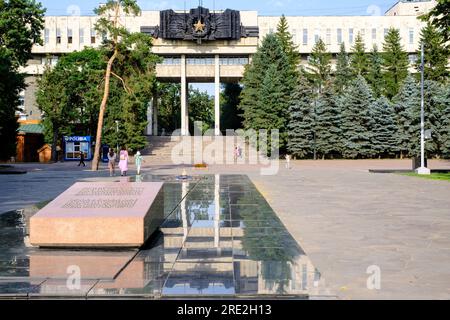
(197, 150)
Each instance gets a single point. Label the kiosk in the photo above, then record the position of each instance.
(74, 145)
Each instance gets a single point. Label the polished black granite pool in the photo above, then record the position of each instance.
(220, 239)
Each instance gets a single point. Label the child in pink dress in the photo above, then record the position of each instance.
(123, 164)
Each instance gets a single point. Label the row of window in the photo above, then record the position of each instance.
(206, 60)
(83, 36)
(339, 35)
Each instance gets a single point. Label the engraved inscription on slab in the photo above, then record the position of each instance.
(90, 198)
(100, 204)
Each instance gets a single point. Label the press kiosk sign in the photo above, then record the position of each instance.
(73, 146)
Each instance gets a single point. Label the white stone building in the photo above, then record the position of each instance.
(224, 61)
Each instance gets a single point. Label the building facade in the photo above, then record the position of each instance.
(216, 46)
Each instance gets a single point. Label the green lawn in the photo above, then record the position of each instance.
(433, 176)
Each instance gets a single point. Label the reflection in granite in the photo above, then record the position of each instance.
(220, 238)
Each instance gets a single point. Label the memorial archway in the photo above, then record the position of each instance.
(200, 46)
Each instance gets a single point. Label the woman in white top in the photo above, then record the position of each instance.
(111, 162)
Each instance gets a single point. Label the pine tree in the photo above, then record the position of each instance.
(328, 134)
(439, 18)
(343, 72)
(404, 102)
(287, 43)
(436, 55)
(319, 65)
(359, 62)
(445, 129)
(356, 120)
(395, 63)
(374, 76)
(264, 105)
(434, 107)
(301, 124)
(230, 98)
(384, 130)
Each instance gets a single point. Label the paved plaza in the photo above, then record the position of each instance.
(344, 218)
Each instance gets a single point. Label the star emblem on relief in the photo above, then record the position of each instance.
(199, 26)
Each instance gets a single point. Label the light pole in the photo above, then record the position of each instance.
(423, 169)
(117, 136)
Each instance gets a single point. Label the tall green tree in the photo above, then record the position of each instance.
(132, 91)
(359, 62)
(436, 54)
(169, 106)
(83, 80)
(445, 129)
(395, 63)
(374, 76)
(439, 17)
(53, 98)
(268, 83)
(287, 43)
(11, 82)
(302, 120)
(230, 99)
(385, 141)
(328, 133)
(343, 72)
(21, 23)
(319, 65)
(201, 108)
(434, 107)
(404, 102)
(119, 39)
(356, 120)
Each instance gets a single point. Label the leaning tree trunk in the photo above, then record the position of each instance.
(101, 115)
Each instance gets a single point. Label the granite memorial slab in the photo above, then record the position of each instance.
(103, 214)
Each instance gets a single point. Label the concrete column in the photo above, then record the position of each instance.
(184, 120)
(217, 211)
(183, 206)
(217, 96)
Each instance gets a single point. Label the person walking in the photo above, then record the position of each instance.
(138, 159)
(288, 161)
(112, 162)
(82, 159)
(123, 163)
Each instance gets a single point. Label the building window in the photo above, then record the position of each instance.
(294, 36)
(386, 30)
(305, 37)
(412, 58)
(171, 61)
(81, 36)
(58, 35)
(93, 35)
(374, 34)
(69, 36)
(362, 33)
(230, 61)
(350, 35)
(46, 35)
(328, 37)
(339, 36)
(316, 35)
(411, 36)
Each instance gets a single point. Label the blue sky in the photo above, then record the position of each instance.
(265, 7)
